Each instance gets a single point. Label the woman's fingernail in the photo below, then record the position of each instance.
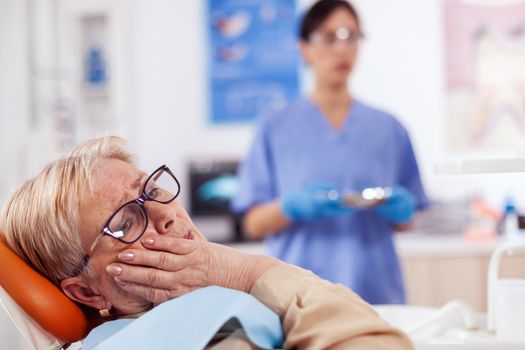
(126, 256)
(114, 270)
(148, 241)
(119, 281)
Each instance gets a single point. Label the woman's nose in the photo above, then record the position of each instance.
(161, 216)
(342, 46)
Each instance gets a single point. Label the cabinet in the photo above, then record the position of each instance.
(453, 270)
(436, 279)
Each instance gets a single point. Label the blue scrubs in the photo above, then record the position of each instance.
(297, 146)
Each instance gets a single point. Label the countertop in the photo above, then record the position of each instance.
(415, 245)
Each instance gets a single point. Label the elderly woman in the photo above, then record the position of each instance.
(116, 240)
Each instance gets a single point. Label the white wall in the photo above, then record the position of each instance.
(13, 91)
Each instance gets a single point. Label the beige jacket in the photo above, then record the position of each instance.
(315, 314)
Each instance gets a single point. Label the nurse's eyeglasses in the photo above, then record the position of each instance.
(329, 39)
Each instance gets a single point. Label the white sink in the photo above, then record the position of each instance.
(453, 327)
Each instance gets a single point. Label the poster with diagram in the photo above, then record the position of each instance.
(485, 75)
(253, 58)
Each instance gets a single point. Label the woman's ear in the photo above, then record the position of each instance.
(78, 289)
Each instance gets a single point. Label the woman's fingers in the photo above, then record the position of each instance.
(153, 258)
(163, 269)
(169, 267)
(158, 287)
(143, 275)
(166, 253)
(181, 246)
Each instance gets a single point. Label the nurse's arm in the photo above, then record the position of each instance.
(265, 219)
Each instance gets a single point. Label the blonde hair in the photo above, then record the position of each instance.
(40, 221)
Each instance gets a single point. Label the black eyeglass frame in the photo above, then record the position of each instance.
(140, 202)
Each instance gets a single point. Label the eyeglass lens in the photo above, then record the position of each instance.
(130, 221)
(330, 38)
(161, 187)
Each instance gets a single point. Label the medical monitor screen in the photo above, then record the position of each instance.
(213, 184)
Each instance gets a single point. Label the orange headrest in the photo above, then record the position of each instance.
(43, 301)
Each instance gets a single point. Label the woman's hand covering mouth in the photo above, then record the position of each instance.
(178, 262)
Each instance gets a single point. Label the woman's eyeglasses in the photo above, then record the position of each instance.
(129, 222)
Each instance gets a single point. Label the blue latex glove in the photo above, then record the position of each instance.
(399, 207)
(314, 202)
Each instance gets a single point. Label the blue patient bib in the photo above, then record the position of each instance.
(190, 322)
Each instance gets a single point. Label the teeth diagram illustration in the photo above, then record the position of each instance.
(485, 75)
(233, 26)
(499, 80)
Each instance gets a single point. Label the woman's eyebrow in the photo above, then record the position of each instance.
(137, 183)
(141, 180)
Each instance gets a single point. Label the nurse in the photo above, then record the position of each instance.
(305, 155)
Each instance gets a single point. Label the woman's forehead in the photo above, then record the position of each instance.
(337, 19)
(114, 168)
(113, 174)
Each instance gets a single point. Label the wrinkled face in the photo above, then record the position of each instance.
(116, 182)
(332, 49)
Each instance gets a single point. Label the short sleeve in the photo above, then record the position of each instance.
(256, 173)
(409, 176)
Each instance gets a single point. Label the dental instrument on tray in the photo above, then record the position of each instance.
(367, 198)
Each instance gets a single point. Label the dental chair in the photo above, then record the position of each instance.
(45, 317)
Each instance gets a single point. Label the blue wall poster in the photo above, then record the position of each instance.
(253, 57)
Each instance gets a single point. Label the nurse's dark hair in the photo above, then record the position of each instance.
(321, 10)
